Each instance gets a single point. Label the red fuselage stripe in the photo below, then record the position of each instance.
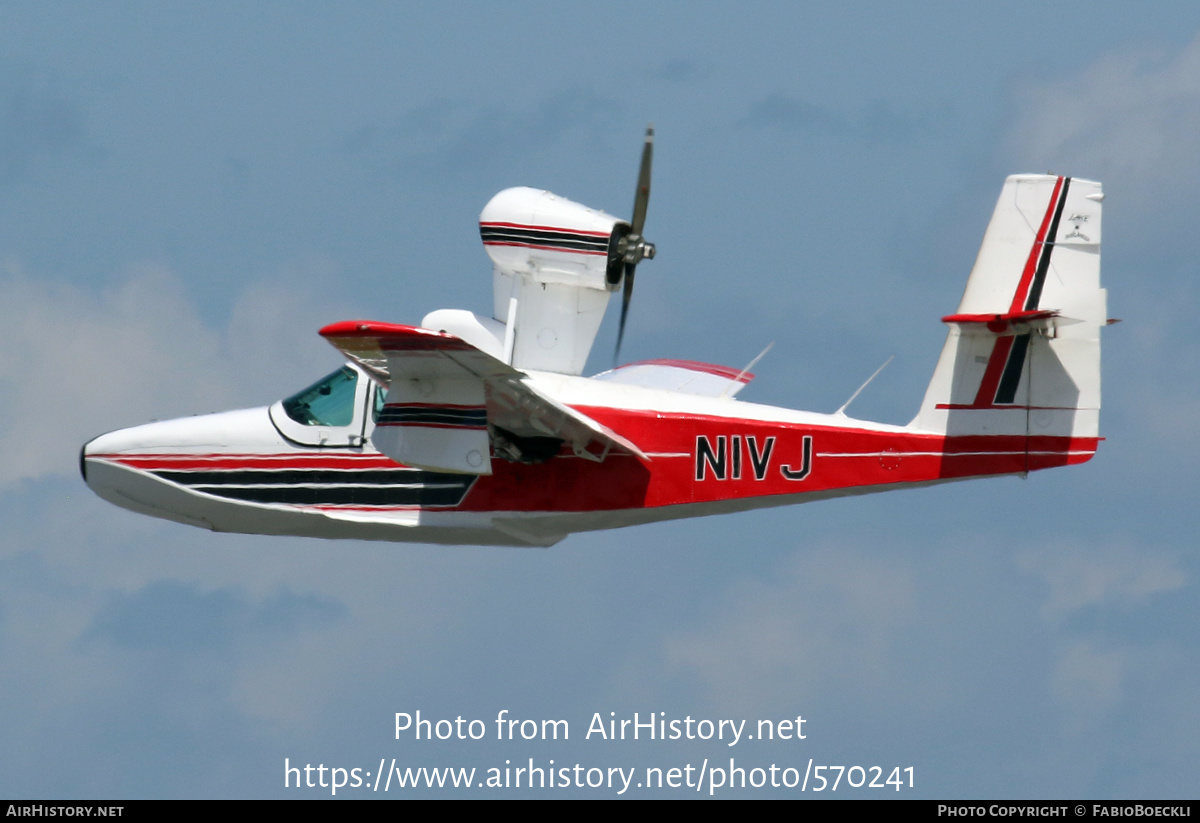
(700, 459)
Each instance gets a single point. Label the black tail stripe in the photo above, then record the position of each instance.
(1039, 279)
(1007, 390)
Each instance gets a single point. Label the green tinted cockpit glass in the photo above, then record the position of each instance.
(328, 402)
(380, 394)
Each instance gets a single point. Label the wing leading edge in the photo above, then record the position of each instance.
(450, 405)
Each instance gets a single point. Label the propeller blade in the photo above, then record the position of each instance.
(642, 197)
(633, 246)
(626, 295)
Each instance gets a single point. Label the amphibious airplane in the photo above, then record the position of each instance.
(480, 430)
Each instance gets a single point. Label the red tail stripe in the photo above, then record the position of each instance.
(1035, 253)
(994, 371)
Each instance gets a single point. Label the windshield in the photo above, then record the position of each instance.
(328, 402)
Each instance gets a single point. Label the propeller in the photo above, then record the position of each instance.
(630, 246)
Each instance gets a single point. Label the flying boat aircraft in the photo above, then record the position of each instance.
(472, 429)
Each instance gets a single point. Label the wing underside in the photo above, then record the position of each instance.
(451, 406)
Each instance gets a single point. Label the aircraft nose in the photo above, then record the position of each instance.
(106, 445)
(127, 466)
(113, 442)
(212, 432)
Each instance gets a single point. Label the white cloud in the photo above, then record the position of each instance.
(1133, 117)
(1094, 672)
(75, 363)
(1117, 576)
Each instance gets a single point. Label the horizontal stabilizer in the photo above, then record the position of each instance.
(1017, 322)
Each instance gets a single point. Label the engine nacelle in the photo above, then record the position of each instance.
(547, 237)
(551, 279)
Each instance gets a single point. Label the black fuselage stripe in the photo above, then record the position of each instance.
(391, 414)
(543, 234)
(555, 244)
(220, 487)
(301, 496)
(381, 487)
(579, 242)
(243, 477)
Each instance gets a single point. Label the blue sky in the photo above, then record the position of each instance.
(187, 193)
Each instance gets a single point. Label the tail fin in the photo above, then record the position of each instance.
(1022, 356)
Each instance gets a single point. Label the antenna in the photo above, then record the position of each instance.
(842, 410)
(749, 366)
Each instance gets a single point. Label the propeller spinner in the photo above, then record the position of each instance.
(629, 247)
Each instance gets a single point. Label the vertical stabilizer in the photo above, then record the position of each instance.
(1022, 356)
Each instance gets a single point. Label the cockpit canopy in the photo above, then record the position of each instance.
(332, 411)
(328, 402)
